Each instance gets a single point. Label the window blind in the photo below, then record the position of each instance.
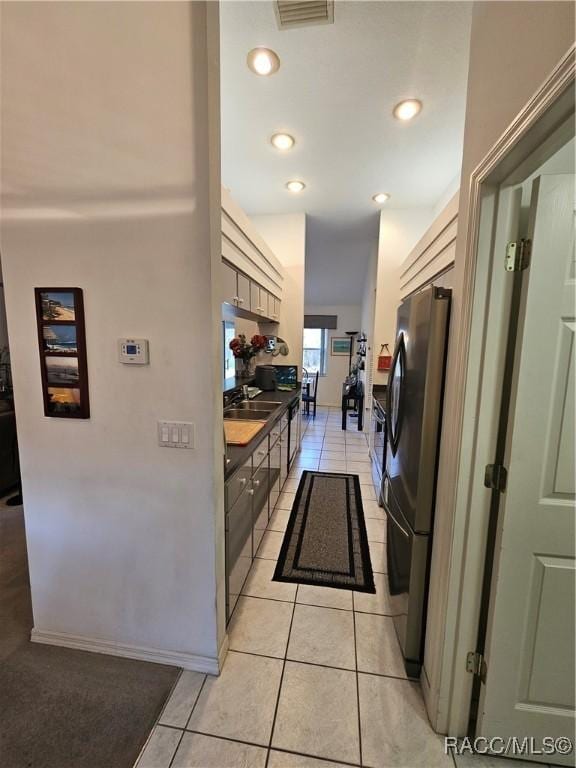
(321, 321)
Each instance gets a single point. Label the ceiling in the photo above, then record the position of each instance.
(334, 92)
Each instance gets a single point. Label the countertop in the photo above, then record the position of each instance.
(238, 454)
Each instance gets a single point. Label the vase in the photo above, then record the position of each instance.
(247, 369)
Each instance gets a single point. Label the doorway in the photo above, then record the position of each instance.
(525, 652)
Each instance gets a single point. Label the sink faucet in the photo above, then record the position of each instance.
(245, 391)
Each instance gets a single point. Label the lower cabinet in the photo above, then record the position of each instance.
(250, 497)
(259, 492)
(238, 548)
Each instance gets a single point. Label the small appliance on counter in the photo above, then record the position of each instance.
(266, 377)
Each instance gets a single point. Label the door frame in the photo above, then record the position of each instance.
(473, 419)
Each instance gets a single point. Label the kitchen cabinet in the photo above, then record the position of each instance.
(238, 547)
(243, 291)
(258, 299)
(275, 463)
(250, 496)
(229, 284)
(239, 291)
(273, 307)
(259, 491)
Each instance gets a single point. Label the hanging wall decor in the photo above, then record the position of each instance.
(62, 345)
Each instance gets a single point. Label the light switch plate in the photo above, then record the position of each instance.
(176, 434)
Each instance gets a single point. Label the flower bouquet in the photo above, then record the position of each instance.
(246, 350)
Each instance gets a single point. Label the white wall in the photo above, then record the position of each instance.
(349, 319)
(502, 78)
(286, 235)
(400, 230)
(367, 327)
(111, 182)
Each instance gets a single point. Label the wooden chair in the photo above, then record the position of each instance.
(310, 393)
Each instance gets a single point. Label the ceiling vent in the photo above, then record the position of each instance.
(303, 13)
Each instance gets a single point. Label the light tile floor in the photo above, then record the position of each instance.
(314, 677)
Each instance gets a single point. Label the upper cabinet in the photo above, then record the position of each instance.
(252, 276)
(433, 253)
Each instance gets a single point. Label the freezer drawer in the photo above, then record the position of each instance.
(407, 560)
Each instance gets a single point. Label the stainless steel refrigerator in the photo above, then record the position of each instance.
(413, 413)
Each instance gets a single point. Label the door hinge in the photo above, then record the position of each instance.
(518, 255)
(495, 476)
(476, 665)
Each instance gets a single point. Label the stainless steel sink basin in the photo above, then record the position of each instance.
(242, 415)
(258, 405)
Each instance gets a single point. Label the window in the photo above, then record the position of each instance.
(315, 346)
(229, 364)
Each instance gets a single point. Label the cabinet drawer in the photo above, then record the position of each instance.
(259, 455)
(274, 434)
(238, 548)
(237, 483)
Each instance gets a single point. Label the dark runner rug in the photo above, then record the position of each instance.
(325, 542)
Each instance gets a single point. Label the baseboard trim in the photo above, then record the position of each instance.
(191, 661)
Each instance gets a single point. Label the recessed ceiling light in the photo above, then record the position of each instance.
(381, 197)
(295, 186)
(407, 109)
(283, 141)
(263, 61)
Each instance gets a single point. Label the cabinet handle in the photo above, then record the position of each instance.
(243, 480)
(256, 483)
(261, 453)
(240, 301)
(250, 492)
(235, 299)
(228, 461)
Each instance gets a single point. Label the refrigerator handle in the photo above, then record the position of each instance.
(399, 359)
(396, 523)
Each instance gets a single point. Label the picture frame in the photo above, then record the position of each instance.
(62, 349)
(340, 346)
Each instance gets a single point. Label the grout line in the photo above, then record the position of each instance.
(281, 681)
(357, 683)
(196, 701)
(322, 666)
(317, 757)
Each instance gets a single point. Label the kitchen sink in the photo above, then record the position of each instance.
(258, 405)
(235, 413)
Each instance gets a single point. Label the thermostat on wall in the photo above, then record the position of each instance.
(133, 351)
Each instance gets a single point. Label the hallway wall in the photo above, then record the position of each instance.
(502, 78)
(111, 182)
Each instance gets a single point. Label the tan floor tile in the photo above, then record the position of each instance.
(182, 699)
(317, 713)
(322, 636)
(324, 597)
(239, 704)
(377, 646)
(260, 626)
(198, 751)
(395, 729)
(259, 583)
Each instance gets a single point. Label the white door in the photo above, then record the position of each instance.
(530, 647)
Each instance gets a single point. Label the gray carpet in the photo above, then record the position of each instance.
(61, 708)
(325, 542)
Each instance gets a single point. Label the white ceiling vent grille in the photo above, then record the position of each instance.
(303, 13)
